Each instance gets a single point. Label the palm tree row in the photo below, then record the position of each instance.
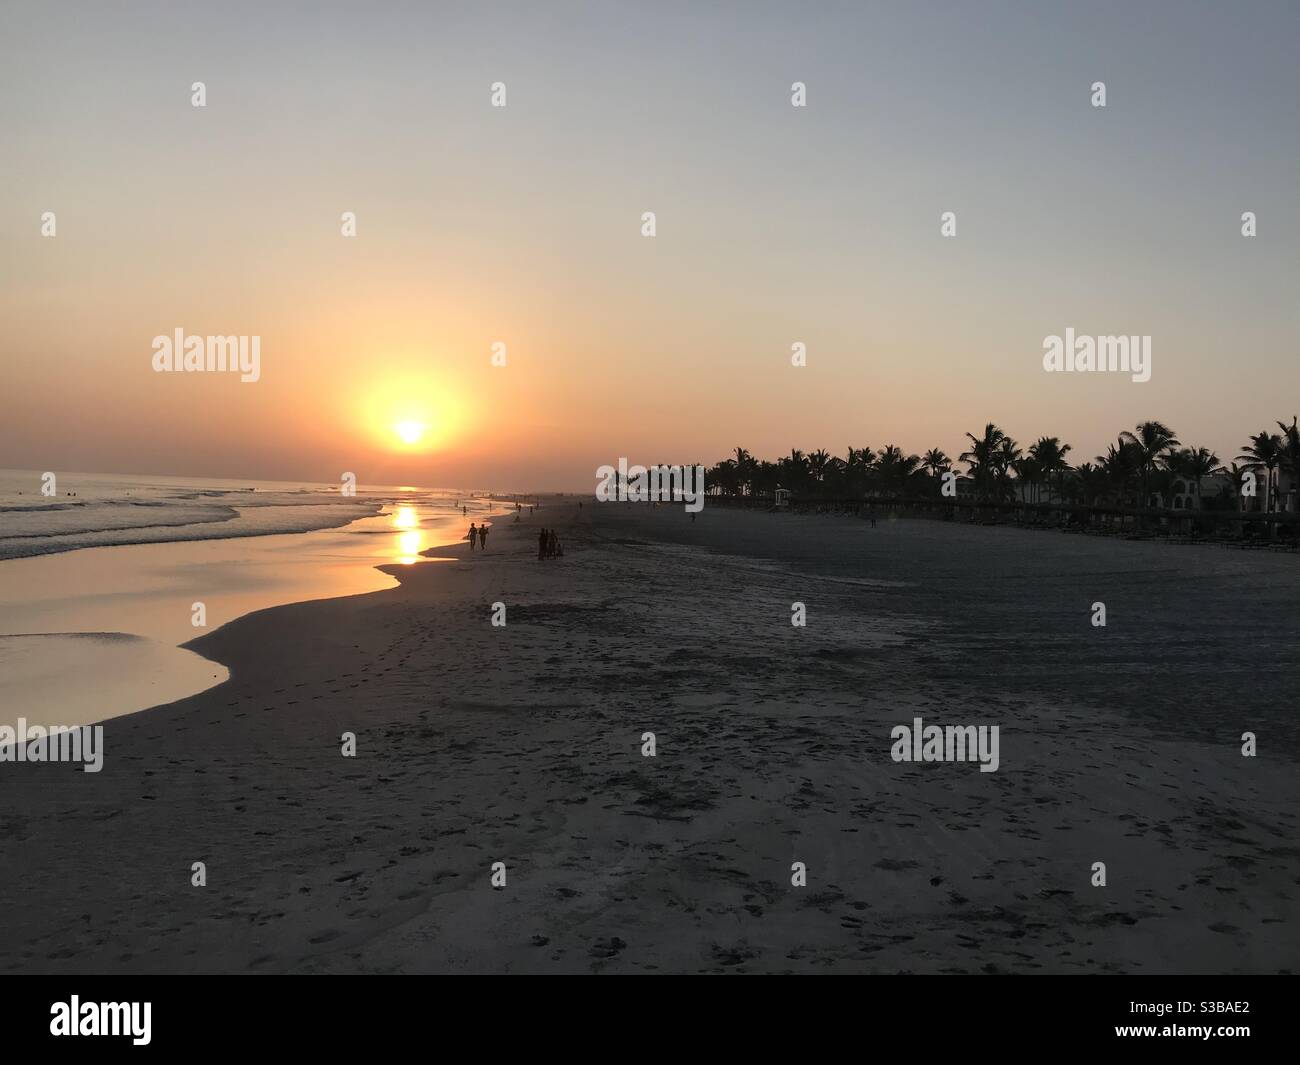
(1148, 466)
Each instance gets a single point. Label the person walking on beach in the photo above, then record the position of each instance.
(541, 545)
(473, 536)
(482, 536)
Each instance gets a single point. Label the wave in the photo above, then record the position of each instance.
(44, 506)
(229, 514)
(210, 523)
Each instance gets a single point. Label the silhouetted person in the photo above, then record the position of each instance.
(541, 545)
(473, 536)
(482, 536)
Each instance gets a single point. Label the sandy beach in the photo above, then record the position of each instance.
(522, 744)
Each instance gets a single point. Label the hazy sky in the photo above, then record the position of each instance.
(522, 224)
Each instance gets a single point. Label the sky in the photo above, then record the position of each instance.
(522, 225)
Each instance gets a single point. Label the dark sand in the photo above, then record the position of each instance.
(522, 744)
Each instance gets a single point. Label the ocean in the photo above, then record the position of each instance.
(102, 584)
(99, 510)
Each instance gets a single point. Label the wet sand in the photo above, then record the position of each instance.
(522, 744)
(87, 635)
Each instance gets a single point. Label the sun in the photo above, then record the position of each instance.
(410, 414)
(409, 432)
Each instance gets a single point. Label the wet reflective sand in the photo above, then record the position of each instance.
(88, 635)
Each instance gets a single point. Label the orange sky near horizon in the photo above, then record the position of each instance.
(522, 225)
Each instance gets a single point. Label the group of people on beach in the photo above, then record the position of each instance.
(548, 545)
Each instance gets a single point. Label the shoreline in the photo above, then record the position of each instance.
(522, 744)
(154, 600)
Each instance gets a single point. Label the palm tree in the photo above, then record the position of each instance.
(794, 470)
(894, 469)
(1238, 476)
(1121, 465)
(1146, 460)
(857, 468)
(724, 477)
(1152, 440)
(818, 464)
(1263, 453)
(1289, 454)
(981, 459)
(1029, 473)
(1007, 455)
(936, 462)
(1193, 465)
(1050, 454)
(1092, 481)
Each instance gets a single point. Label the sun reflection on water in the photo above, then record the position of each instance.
(410, 540)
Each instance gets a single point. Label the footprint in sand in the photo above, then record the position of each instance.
(732, 955)
(607, 948)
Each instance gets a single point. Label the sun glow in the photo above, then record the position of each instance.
(410, 432)
(412, 413)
